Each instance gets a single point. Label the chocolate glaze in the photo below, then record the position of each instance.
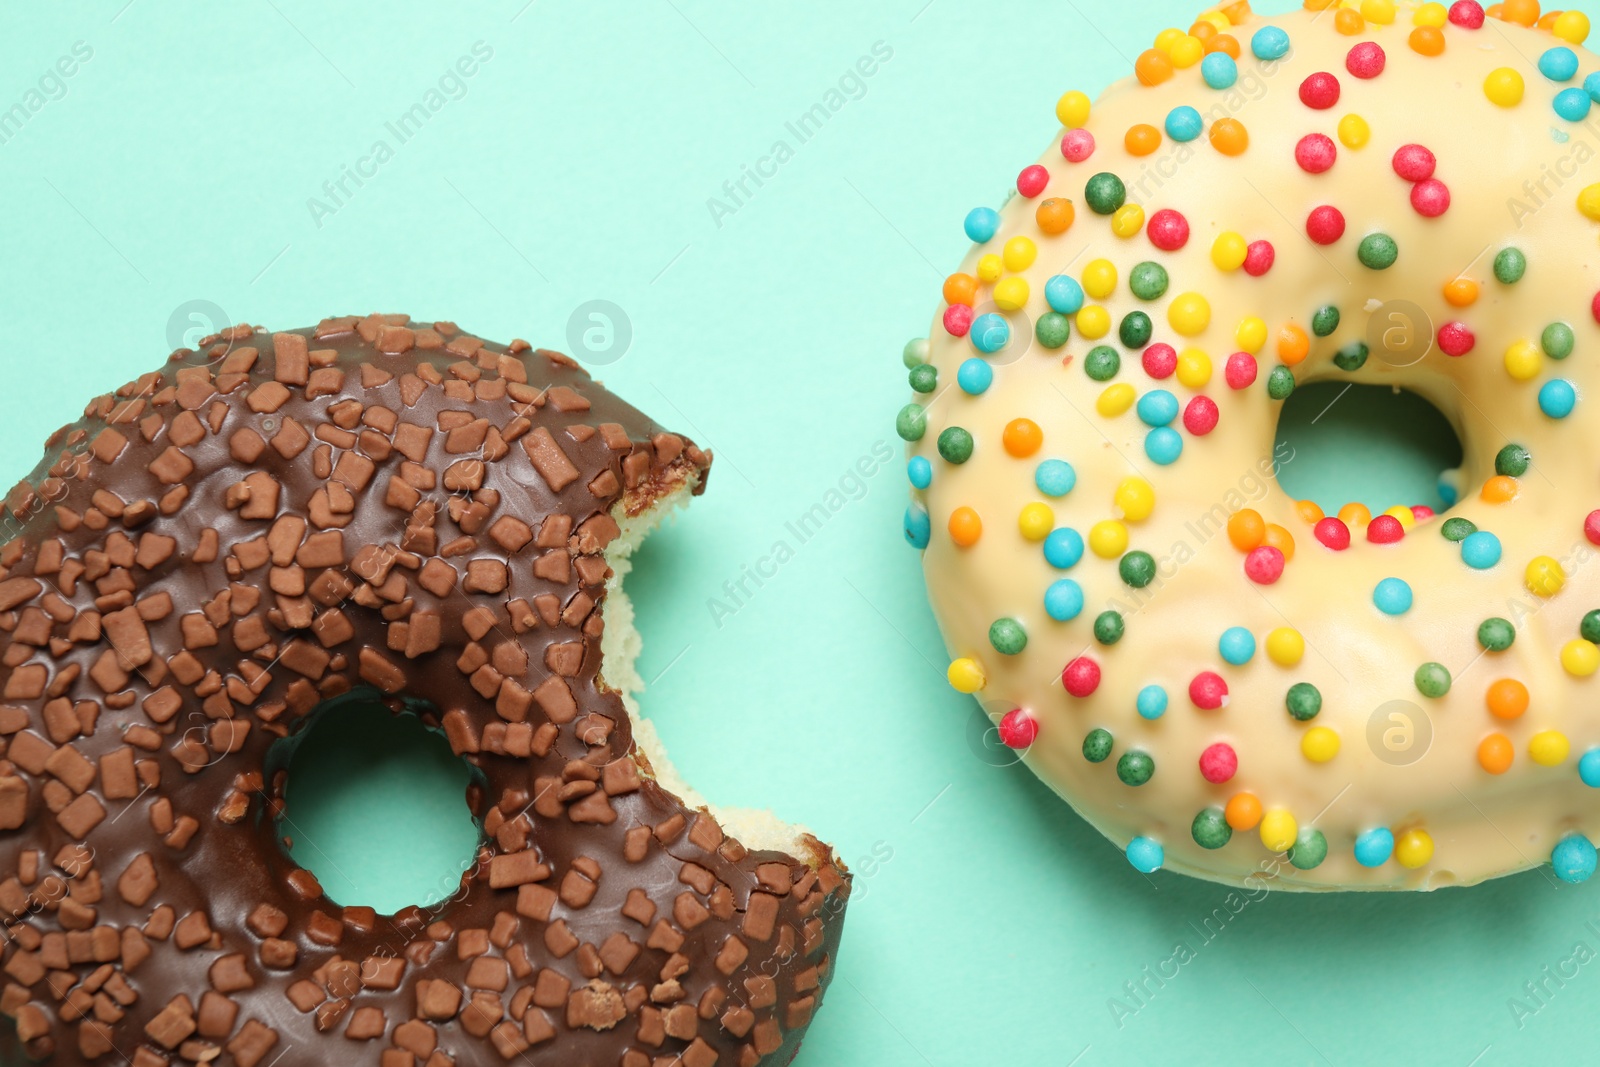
(165, 622)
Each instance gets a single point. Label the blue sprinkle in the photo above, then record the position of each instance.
(1145, 854)
(1237, 645)
(1063, 601)
(1219, 70)
(1392, 596)
(1374, 847)
(1557, 398)
(1591, 85)
(1270, 43)
(990, 332)
(974, 376)
(1063, 294)
(1163, 445)
(1448, 492)
(1063, 548)
(1573, 858)
(918, 528)
(1573, 104)
(1589, 768)
(1480, 550)
(1184, 123)
(981, 224)
(1055, 477)
(1158, 407)
(1151, 702)
(1559, 64)
(920, 471)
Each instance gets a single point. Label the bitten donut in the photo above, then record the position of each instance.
(374, 509)
(1226, 681)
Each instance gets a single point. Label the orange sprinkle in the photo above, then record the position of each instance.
(1507, 698)
(1279, 538)
(960, 289)
(1293, 344)
(1152, 67)
(1427, 41)
(1495, 753)
(1055, 215)
(1320, 5)
(1547, 21)
(1355, 514)
(1203, 30)
(1022, 437)
(1229, 137)
(1246, 529)
(1499, 489)
(1243, 811)
(965, 527)
(1142, 139)
(1308, 510)
(1238, 12)
(1522, 12)
(1224, 42)
(1349, 22)
(1495, 11)
(1461, 292)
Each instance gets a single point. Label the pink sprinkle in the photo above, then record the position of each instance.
(1218, 763)
(1315, 153)
(1169, 230)
(1414, 163)
(1467, 14)
(1077, 145)
(1200, 416)
(1385, 530)
(1081, 677)
(1032, 180)
(1208, 691)
(1018, 729)
(1591, 527)
(1594, 307)
(1320, 91)
(1431, 198)
(1258, 258)
(1326, 225)
(1264, 565)
(957, 320)
(1240, 370)
(1456, 339)
(1160, 360)
(1332, 532)
(1421, 512)
(1365, 60)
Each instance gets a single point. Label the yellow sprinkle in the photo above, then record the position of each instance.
(1580, 658)
(1544, 576)
(1011, 293)
(1404, 514)
(1354, 131)
(1036, 521)
(1108, 539)
(1589, 201)
(1413, 848)
(1094, 322)
(1189, 314)
(1072, 110)
(1251, 335)
(1379, 11)
(965, 676)
(1186, 51)
(1115, 400)
(1019, 254)
(1523, 360)
(1229, 250)
(990, 268)
(1278, 830)
(1549, 748)
(1099, 278)
(1431, 14)
(1127, 220)
(1285, 646)
(1137, 499)
(1504, 87)
(1194, 368)
(1167, 38)
(1222, 22)
(1571, 26)
(1320, 744)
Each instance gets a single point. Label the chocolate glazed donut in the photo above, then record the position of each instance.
(277, 525)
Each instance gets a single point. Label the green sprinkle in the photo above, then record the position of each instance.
(1557, 340)
(1458, 529)
(1104, 193)
(1589, 628)
(1433, 680)
(1148, 280)
(1325, 321)
(1052, 329)
(1102, 363)
(1007, 636)
(1497, 634)
(955, 445)
(1309, 849)
(1509, 266)
(1211, 829)
(1138, 569)
(1303, 701)
(1135, 768)
(911, 423)
(1511, 460)
(1135, 329)
(1097, 746)
(1377, 251)
(1280, 383)
(915, 352)
(1109, 627)
(1352, 357)
(924, 378)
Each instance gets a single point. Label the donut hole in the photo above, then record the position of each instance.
(1379, 445)
(376, 806)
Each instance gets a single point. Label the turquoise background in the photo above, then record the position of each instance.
(990, 924)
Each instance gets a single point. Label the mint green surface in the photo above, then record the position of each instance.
(990, 924)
